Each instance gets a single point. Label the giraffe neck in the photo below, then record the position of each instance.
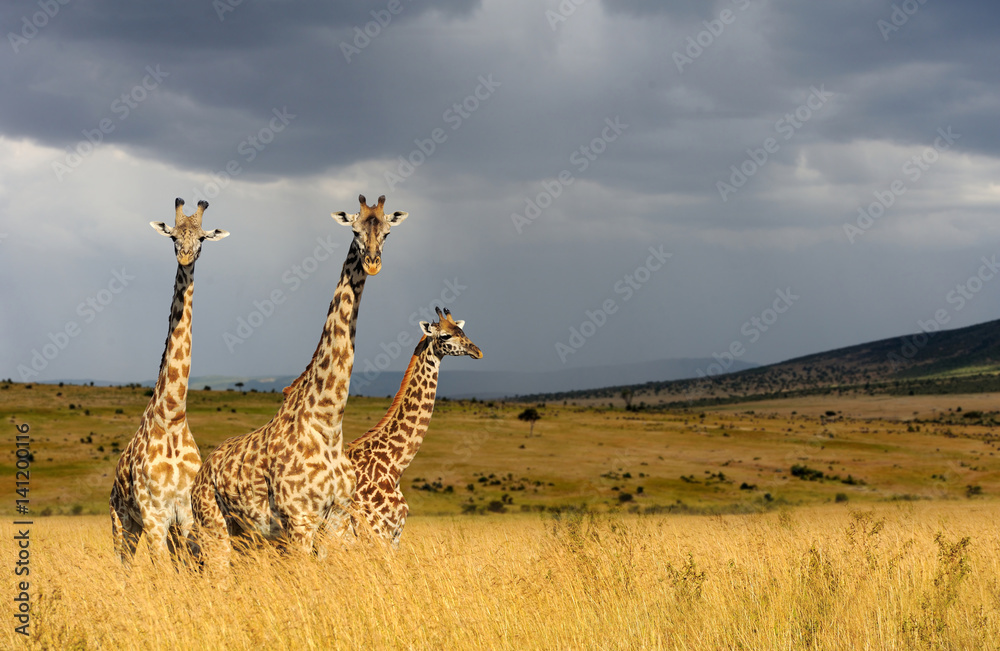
(169, 401)
(323, 386)
(401, 431)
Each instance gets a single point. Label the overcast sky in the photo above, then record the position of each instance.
(589, 182)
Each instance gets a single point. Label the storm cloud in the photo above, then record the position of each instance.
(845, 153)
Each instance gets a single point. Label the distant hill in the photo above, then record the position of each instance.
(499, 384)
(940, 361)
(944, 361)
(458, 384)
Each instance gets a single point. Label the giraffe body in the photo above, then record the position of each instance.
(382, 454)
(151, 493)
(278, 480)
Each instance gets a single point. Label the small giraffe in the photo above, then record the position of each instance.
(280, 479)
(382, 454)
(152, 488)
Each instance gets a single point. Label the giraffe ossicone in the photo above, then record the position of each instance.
(151, 493)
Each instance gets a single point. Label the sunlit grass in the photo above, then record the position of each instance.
(907, 576)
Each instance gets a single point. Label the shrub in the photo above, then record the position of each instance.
(496, 506)
(806, 473)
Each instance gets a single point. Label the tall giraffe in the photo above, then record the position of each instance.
(152, 488)
(382, 454)
(281, 478)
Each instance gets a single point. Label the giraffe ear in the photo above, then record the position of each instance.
(162, 228)
(426, 328)
(215, 235)
(343, 218)
(397, 217)
(460, 324)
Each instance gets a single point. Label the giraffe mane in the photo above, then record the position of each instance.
(398, 399)
(291, 387)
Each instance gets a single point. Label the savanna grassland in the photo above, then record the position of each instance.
(816, 522)
(730, 458)
(894, 576)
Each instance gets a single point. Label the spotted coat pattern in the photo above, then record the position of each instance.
(278, 480)
(151, 493)
(382, 454)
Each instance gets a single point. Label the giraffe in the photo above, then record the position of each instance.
(152, 486)
(279, 480)
(382, 454)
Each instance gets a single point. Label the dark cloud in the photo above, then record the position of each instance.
(521, 108)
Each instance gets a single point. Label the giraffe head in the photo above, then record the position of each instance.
(187, 233)
(447, 338)
(371, 227)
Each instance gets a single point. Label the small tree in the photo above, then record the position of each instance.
(239, 385)
(627, 397)
(531, 415)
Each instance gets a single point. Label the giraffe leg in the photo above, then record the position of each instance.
(300, 530)
(124, 529)
(301, 538)
(183, 547)
(157, 530)
(117, 535)
(322, 540)
(398, 533)
(211, 530)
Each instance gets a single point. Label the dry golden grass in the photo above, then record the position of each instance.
(903, 576)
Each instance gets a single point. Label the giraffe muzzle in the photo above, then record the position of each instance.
(373, 265)
(475, 353)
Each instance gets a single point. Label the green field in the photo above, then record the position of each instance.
(479, 458)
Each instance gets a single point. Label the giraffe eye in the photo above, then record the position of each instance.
(445, 337)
